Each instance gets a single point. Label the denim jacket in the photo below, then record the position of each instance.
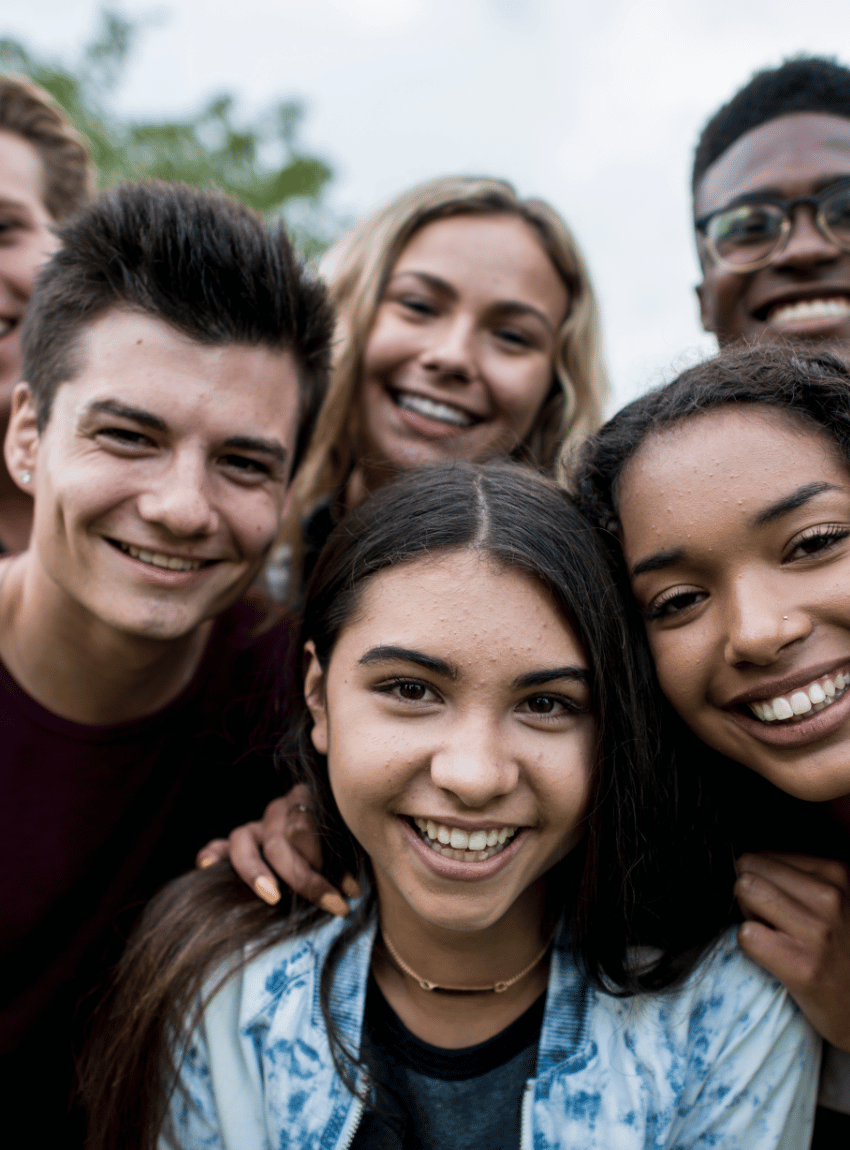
(723, 1060)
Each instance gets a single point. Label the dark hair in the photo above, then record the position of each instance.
(814, 387)
(198, 260)
(800, 84)
(649, 870)
(32, 114)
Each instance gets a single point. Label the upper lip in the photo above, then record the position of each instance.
(769, 689)
(403, 389)
(800, 295)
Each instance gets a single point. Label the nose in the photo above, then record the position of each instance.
(450, 352)
(806, 244)
(178, 498)
(761, 624)
(474, 763)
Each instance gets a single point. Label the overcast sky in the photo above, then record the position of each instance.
(594, 106)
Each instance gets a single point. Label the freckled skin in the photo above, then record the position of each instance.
(475, 749)
(788, 157)
(753, 604)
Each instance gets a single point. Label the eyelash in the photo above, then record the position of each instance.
(829, 536)
(570, 706)
(664, 607)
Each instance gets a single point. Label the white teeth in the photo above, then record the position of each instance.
(815, 697)
(432, 409)
(800, 703)
(157, 559)
(810, 309)
(464, 846)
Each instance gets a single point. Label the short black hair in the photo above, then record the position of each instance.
(198, 260)
(799, 84)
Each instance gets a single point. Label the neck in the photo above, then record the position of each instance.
(81, 668)
(454, 958)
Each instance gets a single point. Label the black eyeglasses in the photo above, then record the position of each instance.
(747, 235)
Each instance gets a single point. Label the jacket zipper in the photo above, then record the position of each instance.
(358, 1114)
(525, 1112)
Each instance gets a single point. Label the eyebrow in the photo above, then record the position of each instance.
(508, 306)
(390, 654)
(770, 514)
(658, 561)
(791, 502)
(538, 678)
(125, 411)
(272, 447)
(773, 193)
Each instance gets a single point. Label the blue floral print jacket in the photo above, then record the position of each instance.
(723, 1060)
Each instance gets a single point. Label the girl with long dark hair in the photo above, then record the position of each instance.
(533, 960)
(726, 496)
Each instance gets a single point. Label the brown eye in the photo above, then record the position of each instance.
(414, 692)
(542, 704)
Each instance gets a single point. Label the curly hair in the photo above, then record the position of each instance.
(799, 84)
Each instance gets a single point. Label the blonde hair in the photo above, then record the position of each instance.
(69, 172)
(356, 272)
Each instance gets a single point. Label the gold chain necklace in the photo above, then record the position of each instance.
(498, 987)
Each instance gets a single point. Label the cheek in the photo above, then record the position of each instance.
(390, 343)
(519, 392)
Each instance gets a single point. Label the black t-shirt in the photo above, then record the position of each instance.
(468, 1099)
(93, 820)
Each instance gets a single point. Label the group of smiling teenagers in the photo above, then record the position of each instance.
(552, 738)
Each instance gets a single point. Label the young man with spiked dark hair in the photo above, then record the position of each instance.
(174, 358)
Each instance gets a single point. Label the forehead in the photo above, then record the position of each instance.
(142, 361)
(443, 605)
(791, 156)
(693, 480)
(500, 255)
(21, 173)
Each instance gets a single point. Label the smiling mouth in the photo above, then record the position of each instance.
(790, 708)
(159, 559)
(433, 409)
(463, 846)
(807, 310)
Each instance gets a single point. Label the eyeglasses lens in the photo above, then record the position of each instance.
(750, 232)
(836, 217)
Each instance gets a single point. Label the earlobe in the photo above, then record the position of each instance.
(314, 694)
(22, 438)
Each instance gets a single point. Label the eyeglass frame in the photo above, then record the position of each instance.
(788, 207)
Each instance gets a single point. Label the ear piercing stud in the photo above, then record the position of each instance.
(784, 616)
(26, 476)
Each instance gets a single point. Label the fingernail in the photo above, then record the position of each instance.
(350, 887)
(334, 904)
(206, 860)
(267, 889)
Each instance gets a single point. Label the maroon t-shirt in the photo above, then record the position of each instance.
(94, 819)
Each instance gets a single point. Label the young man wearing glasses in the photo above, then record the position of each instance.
(771, 185)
